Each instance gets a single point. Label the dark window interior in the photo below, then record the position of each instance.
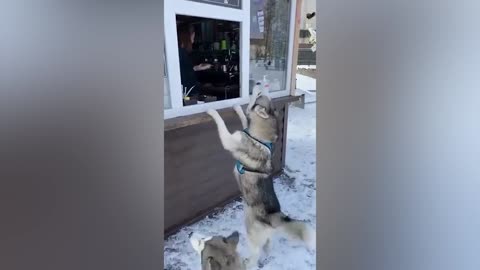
(216, 43)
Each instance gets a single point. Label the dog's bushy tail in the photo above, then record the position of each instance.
(295, 229)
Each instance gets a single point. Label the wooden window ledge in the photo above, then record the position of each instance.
(199, 118)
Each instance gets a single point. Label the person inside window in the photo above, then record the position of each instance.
(186, 34)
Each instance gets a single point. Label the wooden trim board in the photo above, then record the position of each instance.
(293, 84)
(285, 138)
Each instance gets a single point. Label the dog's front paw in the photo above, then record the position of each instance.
(212, 112)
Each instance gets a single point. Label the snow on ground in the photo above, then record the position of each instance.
(306, 66)
(297, 198)
(307, 84)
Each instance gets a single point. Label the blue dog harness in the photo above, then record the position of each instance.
(240, 168)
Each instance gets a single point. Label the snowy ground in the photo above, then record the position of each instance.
(306, 66)
(307, 84)
(296, 197)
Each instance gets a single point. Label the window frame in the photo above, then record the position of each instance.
(191, 8)
(165, 81)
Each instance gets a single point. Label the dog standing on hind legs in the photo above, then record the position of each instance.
(252, 148)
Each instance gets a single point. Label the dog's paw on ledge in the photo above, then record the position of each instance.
(237, 108)
(212, 112)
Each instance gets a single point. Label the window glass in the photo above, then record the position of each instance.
(269, 39)
(209, 59)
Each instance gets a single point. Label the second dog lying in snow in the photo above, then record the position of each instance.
(252, 147)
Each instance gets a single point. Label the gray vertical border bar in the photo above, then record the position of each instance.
(162, 129)
(81, 135)
(397, 135)
(318, 150)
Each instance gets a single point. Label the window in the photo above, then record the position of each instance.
(269, 42)
(209, 59)
(223, 30)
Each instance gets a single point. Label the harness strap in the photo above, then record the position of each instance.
(240, 167)
(269, 145)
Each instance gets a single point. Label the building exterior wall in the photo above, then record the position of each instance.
(305, 55)
(308, 6)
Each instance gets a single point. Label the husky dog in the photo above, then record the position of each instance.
(218, 252)
(252, 148)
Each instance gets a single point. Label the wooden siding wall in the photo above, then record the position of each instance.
(199, 172)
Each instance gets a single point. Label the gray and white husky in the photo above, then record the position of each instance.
(218, 252)
(252, 148)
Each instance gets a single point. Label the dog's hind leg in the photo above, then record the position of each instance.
(255, 242)
(295, 229)
(267, 247)
(229, 141)
(241, 115)
(258, 239)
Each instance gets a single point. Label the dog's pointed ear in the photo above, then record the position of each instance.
(261, 111)
(198, 242)
(233, 239)
(212, 264)
(256, 91)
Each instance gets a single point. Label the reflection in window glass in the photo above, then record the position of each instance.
(269, 31)
(166, 89)
(209, 59)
